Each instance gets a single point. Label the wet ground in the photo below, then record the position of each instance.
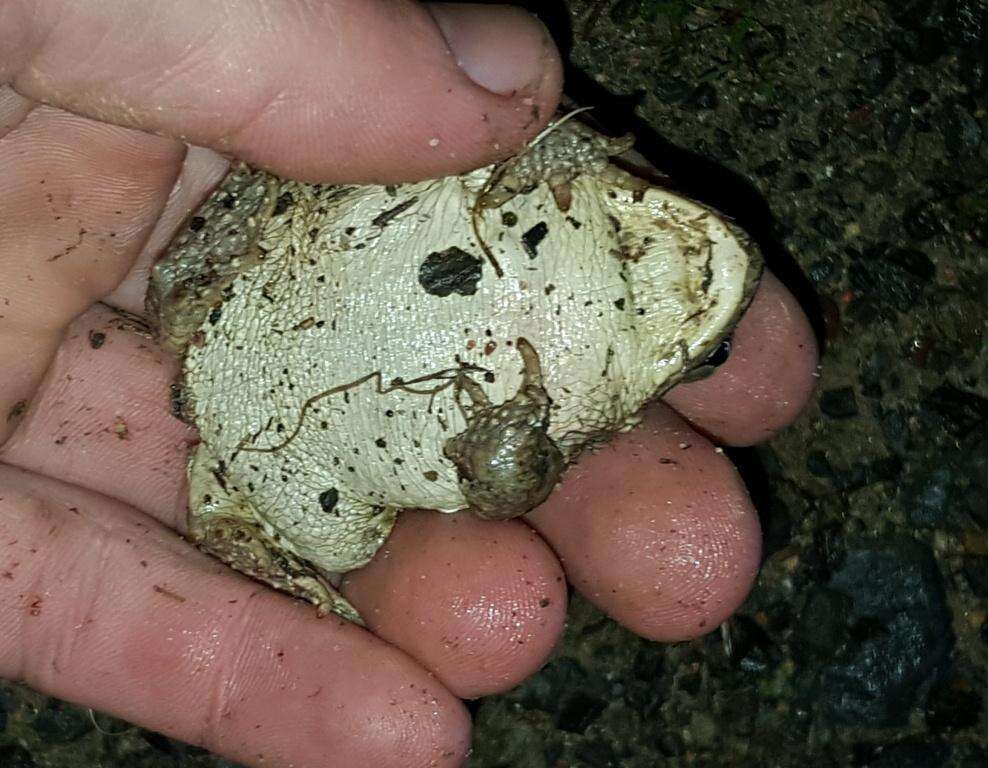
(851, 139)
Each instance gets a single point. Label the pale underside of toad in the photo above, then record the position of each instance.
(350, 351)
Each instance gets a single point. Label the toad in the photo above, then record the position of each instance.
(350, 351)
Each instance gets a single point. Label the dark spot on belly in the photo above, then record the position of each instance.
(450, 271)
(328, 499)
(509, 219)
(219, 474)
(96, 339)
(531, 239)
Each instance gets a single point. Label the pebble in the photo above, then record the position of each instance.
(926, 499)
(901, 626)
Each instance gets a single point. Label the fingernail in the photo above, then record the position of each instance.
(501, 48)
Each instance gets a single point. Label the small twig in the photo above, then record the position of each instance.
(397, 383)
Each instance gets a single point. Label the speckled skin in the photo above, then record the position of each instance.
(331, 335)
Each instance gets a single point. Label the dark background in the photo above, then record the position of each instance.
(849, 139)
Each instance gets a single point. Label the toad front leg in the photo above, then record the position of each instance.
(506, 461)
(563, 151)
(223, 523)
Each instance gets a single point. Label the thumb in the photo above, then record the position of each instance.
(338, 90)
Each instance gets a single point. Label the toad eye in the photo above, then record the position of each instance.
(711, 362)
(719, 356)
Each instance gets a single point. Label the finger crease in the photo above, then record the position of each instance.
(75, 586)
(253, 119)
(225, 679)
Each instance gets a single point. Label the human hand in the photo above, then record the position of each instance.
(101, 603)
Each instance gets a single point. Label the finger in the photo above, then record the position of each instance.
(202, 170)
(78, 201)
(100, 419)
(340, 90)
(100, 606)
(481, 603)
(768, 378)
(656, 529)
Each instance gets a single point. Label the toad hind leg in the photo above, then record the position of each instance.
(223, 523)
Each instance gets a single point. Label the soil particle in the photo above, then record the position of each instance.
(16, 411)
(532, 237)
(120, 429)
(166, 592)
(386, 217)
